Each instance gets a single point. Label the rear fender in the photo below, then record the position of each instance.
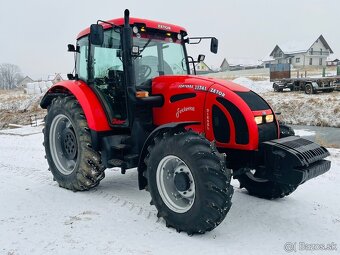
(93, 110)
(142, 181)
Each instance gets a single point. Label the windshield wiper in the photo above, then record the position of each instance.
(146, 45)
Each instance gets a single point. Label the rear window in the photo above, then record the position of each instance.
(254, 101)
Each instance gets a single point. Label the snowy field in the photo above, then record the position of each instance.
(16, 107)
(38, 217)
(322, 109)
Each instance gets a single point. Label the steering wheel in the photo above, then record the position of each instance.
(144, 71)
(177, 69)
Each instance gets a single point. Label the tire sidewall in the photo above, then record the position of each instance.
(164, 150)
(266, 189)
(308, 89)
(53, 112)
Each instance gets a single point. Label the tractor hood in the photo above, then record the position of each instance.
(227, 84)
(225, 109)
(199, 83)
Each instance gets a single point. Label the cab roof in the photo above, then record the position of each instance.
(148, 23)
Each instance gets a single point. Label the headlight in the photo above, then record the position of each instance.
(264, 119)
(269, 118)
(258, 120)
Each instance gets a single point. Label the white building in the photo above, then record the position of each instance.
(57, 77)
(240, 64)
(24, 81)
(301, 54)
(203, 68)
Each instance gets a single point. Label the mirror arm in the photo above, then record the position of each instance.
(109, 23)
(106, 22)
(199, 39)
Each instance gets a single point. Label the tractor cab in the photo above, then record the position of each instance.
(118, 59)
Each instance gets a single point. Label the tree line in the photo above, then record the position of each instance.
(10, 76)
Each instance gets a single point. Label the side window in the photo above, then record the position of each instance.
(174, 57)
(82, 58)
(106, 57)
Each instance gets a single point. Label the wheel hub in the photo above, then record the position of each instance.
(69, 143)
(63, 144)
(182, 181)
(175, 184)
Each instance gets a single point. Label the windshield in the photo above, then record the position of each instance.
(158, 57)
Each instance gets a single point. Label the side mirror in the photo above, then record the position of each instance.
(200, 58)
(214, 45)
(71, 48)
(96, 34)
(70, 76)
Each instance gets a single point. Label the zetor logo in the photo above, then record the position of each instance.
(184, 109)
(164, 27)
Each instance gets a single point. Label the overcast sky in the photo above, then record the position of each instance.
(34, 33)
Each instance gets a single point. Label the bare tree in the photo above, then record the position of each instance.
(10, 75)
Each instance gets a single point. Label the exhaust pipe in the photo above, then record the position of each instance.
(126, 18)
(128, 66)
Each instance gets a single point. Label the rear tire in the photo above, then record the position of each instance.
(67, 140)
(263, 188)
(309, 89)
(188, 182)
(277, 88)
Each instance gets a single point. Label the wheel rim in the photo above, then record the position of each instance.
(63, 144)
(308, 89)
(175, 184)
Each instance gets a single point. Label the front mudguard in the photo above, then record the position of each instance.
(142, 181)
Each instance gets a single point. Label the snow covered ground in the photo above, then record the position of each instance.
(257, 86)
(38, 217)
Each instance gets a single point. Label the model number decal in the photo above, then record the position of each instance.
(208, 119)
(217, 92)
(191, 86)
(201, 88)
(185, 86)
(184, 109)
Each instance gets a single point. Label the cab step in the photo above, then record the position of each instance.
(116, 162)
(121, 147)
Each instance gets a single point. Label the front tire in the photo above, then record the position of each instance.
(286, 130)
(188, 182)
(262, 188)
(67, 140)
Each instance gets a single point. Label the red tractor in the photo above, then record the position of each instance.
(132, 103)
